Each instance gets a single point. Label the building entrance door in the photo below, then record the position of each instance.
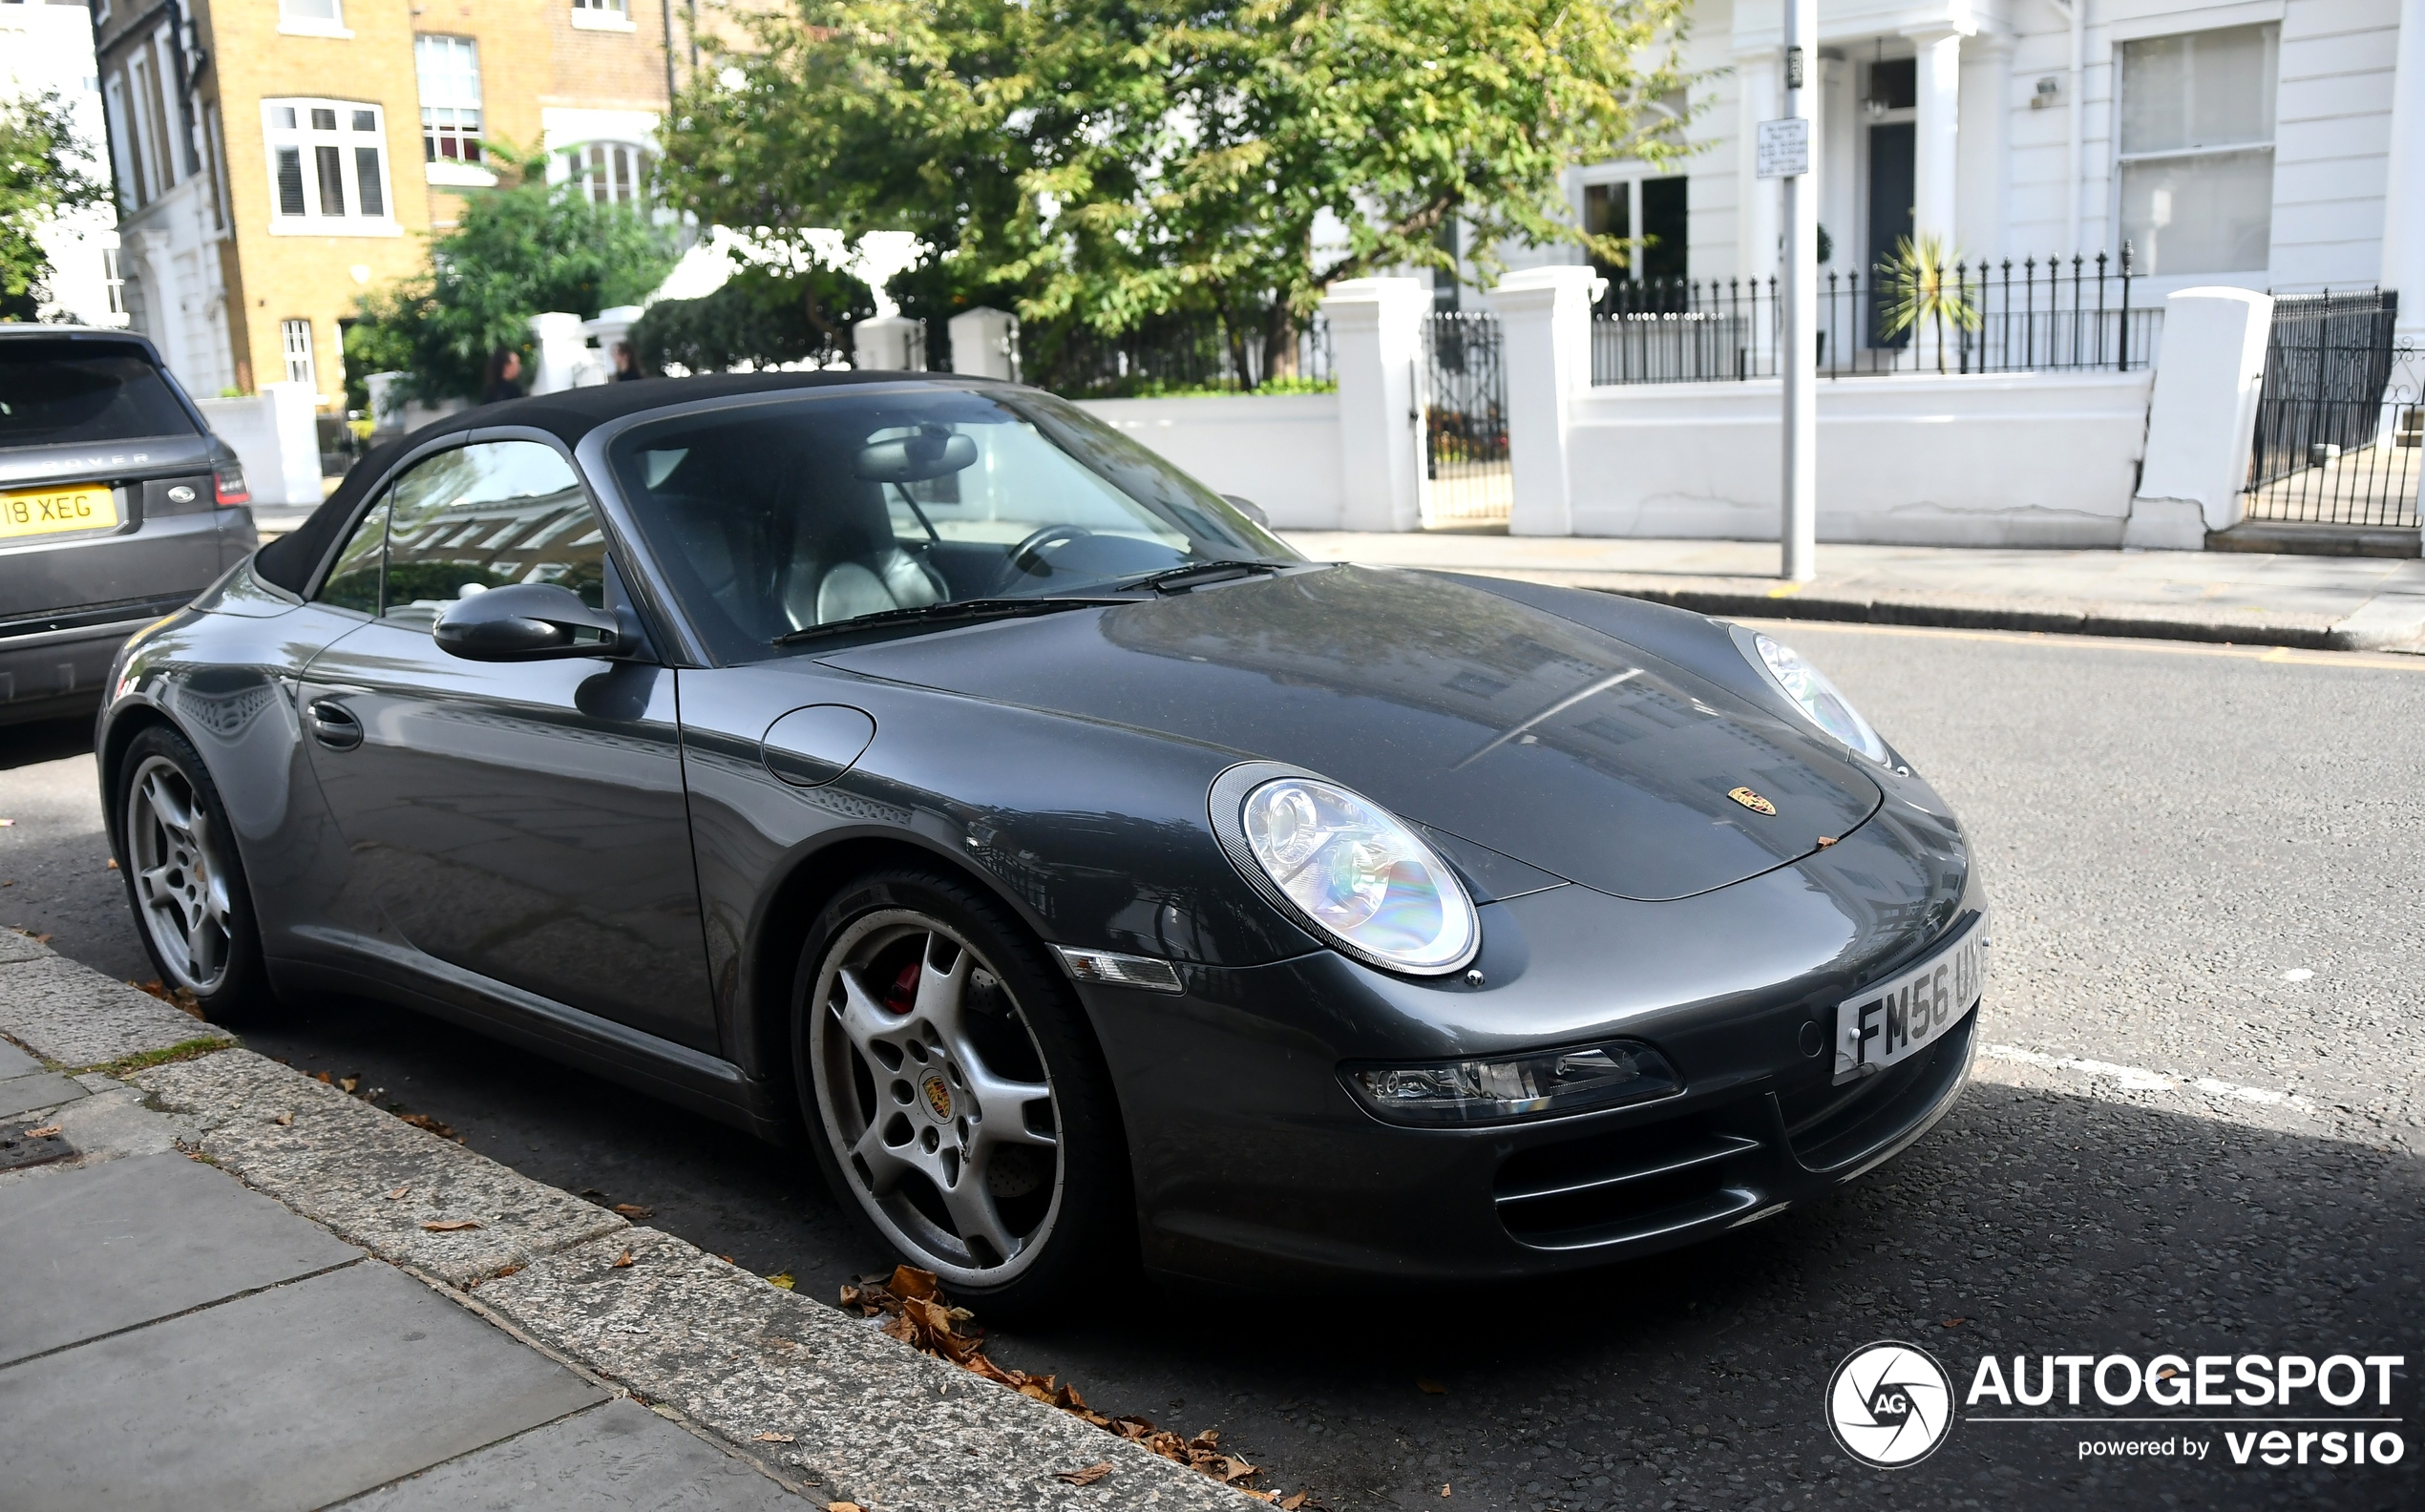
(1892, 182)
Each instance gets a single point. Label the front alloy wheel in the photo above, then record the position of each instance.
(935, 1097)
(180, 880)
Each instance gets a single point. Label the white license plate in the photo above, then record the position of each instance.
(1903, 1016)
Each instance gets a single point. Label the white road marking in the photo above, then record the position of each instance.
(2139, 1078)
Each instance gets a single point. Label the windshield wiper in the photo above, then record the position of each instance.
(945, 613)
(1190, 575)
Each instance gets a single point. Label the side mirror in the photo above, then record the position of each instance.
(1248, 508)
(525, 623)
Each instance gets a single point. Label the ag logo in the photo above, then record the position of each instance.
(1752, 801)
(938, 1096)
(1889, 1404)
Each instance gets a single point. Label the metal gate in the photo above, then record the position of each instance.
(2338, 419)
(1461, 389)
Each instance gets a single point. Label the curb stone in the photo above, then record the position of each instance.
(725, 1349)
(74, 1016)
(336, 1158)
(702, 1341)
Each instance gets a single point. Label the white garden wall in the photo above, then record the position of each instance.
(1281, 450)
(276, 439)
(2023, 459)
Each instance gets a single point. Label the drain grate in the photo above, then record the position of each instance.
(33, 1142)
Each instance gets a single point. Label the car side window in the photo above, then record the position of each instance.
(483, 516)
(353, 582)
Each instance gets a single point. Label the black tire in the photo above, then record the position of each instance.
(848, 1094)
(220, 959)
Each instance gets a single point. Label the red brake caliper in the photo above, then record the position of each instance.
(902, 994)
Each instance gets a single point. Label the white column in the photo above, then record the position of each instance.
(2404, 189)
(1981, 179)
(1937, 139)
(294, 419)
(2201, 417)
(882, 344)
(1839, 130)
(986, 343)
(1545, 334)
(562, 351)
(1376, 329)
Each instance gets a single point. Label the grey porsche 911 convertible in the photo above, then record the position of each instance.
(915, 767)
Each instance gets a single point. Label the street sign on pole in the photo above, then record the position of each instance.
(1784, 153)
(1784, 148)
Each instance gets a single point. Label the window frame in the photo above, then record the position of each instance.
(439, 58)
(301, 353)
(603, 15)
(565, 166)
(332, 25)
(2124, 161)
(308, 142)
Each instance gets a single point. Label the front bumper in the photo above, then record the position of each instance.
(1254, 1167)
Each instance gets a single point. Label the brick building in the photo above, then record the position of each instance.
(276, 159)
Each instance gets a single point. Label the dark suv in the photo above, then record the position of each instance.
(116, 506)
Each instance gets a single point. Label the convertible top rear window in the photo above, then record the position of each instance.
(67, 392)
(776, 517)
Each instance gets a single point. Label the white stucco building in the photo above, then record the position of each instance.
(49, 47)
(2263, 143)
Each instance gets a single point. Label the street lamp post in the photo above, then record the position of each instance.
(1784, 153)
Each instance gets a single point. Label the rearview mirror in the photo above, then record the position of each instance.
(525, 623)
(930, 453)
(1248, 508)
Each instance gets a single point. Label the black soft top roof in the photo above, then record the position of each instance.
(288, 561)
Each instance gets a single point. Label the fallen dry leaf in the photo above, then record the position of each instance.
(513, 1269)
(1087, 1476)
(623, 1262)
(42, 939)
(398, 1193)
(1430, 1387)
(348, 1084)
(1825, 841)
(46, 1131)
(423, 1121)
(844, 1506)
(448, 1225)
(635, 1211)
(784, 1279)
(1290, 1503)
(776, 1437)
(113, 863)
(324, 1078)
(1953, 1322)
(282, 1119)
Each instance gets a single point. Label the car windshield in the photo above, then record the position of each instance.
(779, 516)
(59, 392)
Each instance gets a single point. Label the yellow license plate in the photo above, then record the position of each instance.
(44, 512)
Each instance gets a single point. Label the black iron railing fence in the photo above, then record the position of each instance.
(2339, 424)
(1462, 387)
(1171, 354)
(2033, 315)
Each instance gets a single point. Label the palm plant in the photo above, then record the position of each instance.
(1920, 291)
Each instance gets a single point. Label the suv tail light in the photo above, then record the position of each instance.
(227, 485)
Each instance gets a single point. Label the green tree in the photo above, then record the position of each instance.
(1103, 162)
(41, 175)
(760, 317)
(517, 252)
(1925, 292)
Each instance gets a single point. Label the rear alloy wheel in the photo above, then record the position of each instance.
(185, 878)
(954, 1088)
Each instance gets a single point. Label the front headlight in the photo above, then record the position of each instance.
(1820, 701)
(1348, 869)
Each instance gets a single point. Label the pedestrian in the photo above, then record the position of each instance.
(626, 364)
(502, 378)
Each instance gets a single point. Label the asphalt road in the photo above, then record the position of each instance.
(2196, 1131)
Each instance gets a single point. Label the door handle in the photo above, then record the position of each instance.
(332, 724)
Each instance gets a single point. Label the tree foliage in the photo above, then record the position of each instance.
(760, 318)
(517, 252)
(1102, 162)
(41, 173)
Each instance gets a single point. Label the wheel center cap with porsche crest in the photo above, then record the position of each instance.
(1752, 801)
(939, 1094)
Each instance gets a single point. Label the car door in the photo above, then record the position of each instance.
(522, 820)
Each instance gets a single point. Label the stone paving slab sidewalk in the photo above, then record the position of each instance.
(2333, 604)
(232, 1285)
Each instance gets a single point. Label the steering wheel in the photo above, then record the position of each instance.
(1027, 558)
